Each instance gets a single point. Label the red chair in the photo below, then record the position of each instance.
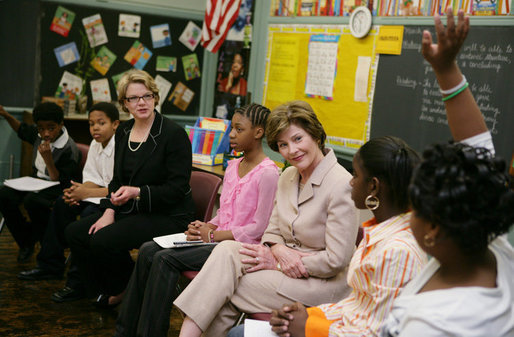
(204, 187)
(84, 149)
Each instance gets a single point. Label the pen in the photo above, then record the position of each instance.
(178, 243)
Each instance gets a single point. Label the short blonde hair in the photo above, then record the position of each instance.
(136, 76)
(299, 113)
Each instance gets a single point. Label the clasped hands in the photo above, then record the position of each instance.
(199, 230)
(74, 194)
(289, 320)
(265, 258)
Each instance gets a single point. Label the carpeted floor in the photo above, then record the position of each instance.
(27, 310)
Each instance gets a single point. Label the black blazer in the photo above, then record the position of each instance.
(162, 172)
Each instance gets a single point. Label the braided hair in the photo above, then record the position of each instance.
(256, 113)
(466, 192)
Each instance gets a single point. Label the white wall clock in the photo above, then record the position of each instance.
(360, 22)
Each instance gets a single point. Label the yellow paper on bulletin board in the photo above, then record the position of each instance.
(345, 120)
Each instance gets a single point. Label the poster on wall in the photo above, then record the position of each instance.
(103, 60)
(67, 54)
(62, 21)
(244, 18)
(138, 55)
(69, 87)
(160, 35)
(95, 30)
(231, 84)
(191, 66)
(129, 25)
(190, 37)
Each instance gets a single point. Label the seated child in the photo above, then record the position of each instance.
(97, 173)
(246, 202)
(55, 157)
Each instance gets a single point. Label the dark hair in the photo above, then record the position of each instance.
(48, 111)
(109, 109)
(466, 192)
(392, 161)
(299, 113)
(256, 113)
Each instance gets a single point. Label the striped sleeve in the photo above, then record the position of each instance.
(219, 18)
(393, 269)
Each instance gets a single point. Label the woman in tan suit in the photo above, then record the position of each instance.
(307, 245)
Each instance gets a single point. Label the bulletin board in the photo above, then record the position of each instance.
(345, 120)
(51, 72)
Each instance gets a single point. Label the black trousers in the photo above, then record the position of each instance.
(38, 206)
(51, 256)
(103, 258)
(148, 300)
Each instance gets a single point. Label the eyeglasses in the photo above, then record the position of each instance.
(135, 99)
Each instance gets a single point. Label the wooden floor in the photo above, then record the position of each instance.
(27, 310)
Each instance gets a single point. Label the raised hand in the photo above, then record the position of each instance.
(449, 40)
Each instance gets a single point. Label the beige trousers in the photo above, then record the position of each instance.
(222, 290)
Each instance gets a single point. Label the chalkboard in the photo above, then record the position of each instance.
(407, 100)
(51, 73)
(18, 52)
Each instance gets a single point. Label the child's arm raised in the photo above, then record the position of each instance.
(13, 122)
(464, 117)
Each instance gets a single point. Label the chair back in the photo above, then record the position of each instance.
(204, 187)
(84, 149)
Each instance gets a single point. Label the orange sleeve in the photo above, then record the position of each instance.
(317, 324)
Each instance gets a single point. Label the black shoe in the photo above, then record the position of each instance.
(102, 302)
(68, 294)
(25, 254)
(37, 274)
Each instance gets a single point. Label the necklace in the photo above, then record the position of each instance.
(141, 143)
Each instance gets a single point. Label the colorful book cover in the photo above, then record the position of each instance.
(181, 96)
(191, 67)
(62, 21)
(69, 87)
(166, 63)
(484, 7)
(100, 90)
(200, 143)
(191, 35)
(103, 60)
(129, 25)
(95, 30)
(206, 141)
(67, 54)
(160, 35)
(410, 7)
(164, 87)
(116, 78)
(138, 55)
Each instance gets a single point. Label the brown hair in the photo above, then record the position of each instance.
(299, 113)
(136, 76)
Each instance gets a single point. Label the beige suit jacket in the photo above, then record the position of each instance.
(322, 219)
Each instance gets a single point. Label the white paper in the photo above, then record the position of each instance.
(29, 184)
(256, 328)
(100, 90)
(321, 69)
(360, 93)
(170, 241)
(94, 200)
(190, 37)
(164, 87)
(129, 25)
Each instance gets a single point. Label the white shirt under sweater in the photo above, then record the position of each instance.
(99, 164)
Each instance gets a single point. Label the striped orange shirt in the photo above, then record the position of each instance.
(387, 258)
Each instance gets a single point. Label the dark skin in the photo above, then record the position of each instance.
(465, 120)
